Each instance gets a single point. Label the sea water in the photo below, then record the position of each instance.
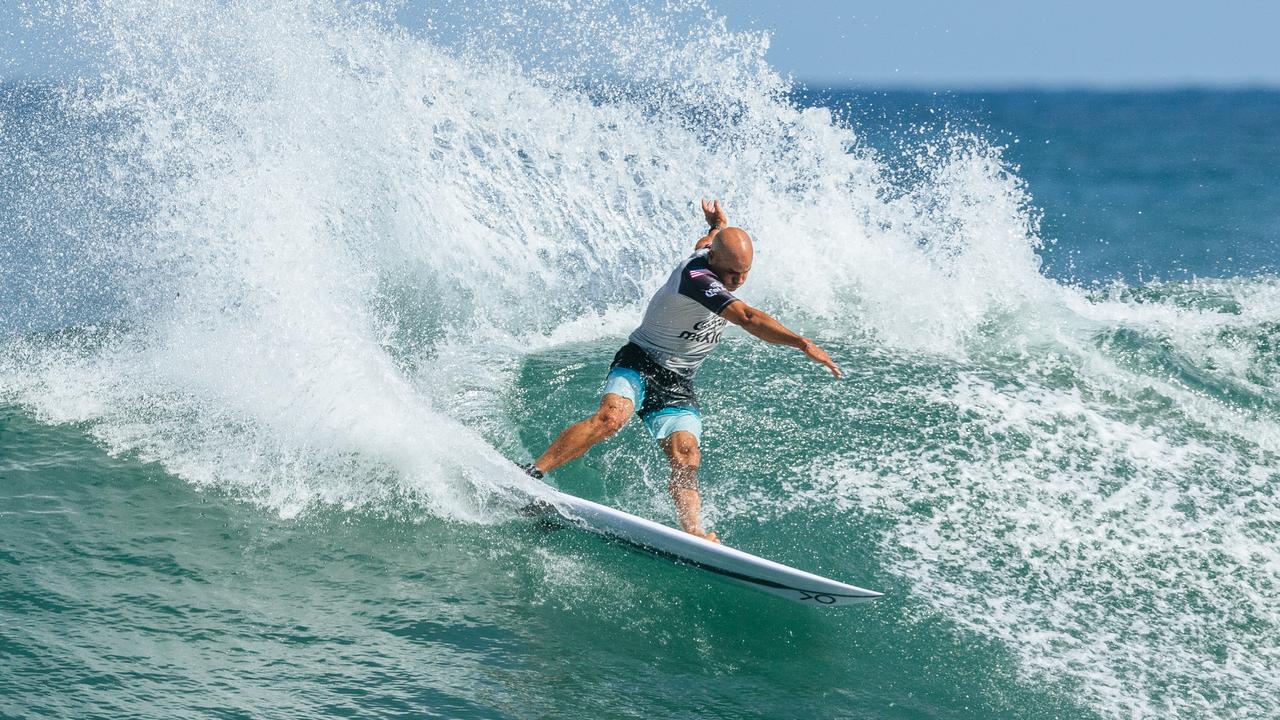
(285, 289)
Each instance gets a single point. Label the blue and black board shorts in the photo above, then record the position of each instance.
(663, 398)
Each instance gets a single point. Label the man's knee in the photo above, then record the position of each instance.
(682, 449)
(609, 422)
(611, 416)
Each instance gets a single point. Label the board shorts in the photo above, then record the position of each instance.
(663, 398)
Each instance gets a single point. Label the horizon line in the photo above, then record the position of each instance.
(827, 84)
(1031, 86)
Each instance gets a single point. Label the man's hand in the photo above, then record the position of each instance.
(819, 355)
(715, 214)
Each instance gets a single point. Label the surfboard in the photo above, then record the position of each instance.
(729, 563)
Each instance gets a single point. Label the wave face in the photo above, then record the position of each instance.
(300, 254)
(290, 218)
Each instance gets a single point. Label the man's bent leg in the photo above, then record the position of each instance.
(682, 450)
(578, 438)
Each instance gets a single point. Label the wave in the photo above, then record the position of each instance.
(298, 254)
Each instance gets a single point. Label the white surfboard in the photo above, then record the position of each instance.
(736, 565)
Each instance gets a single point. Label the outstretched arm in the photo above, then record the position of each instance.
(763, 326)
(715, 218)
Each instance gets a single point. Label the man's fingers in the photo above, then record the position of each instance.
(831, 365)
(821, 356)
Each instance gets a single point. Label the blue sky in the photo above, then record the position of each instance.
(939, 44)
(934, 43)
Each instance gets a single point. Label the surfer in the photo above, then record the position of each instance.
(652, 375)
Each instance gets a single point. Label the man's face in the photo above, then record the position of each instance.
(734, 279)
(732, 270)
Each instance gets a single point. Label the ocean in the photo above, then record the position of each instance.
(285, 292)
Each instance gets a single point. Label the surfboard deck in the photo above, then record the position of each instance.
(730, 563)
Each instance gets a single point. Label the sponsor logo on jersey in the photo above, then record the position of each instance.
(705, 331)
(715, 287)
(710, 337)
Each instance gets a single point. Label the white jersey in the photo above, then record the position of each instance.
(682, 324)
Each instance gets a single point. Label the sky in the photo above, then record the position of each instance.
(943, 45)
(995, 43)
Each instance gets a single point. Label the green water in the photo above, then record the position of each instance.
(136, 594)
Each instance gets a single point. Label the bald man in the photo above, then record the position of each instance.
(652, 374)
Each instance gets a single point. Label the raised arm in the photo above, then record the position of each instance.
(763, 326)
(715, 218)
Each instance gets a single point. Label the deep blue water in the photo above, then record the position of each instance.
(1134, 185)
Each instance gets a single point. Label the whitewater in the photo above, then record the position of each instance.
(339, 265)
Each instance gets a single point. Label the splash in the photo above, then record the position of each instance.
(296, 215)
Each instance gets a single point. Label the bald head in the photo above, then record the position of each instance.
(730, 257)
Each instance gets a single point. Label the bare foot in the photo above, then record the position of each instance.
(705, 535)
